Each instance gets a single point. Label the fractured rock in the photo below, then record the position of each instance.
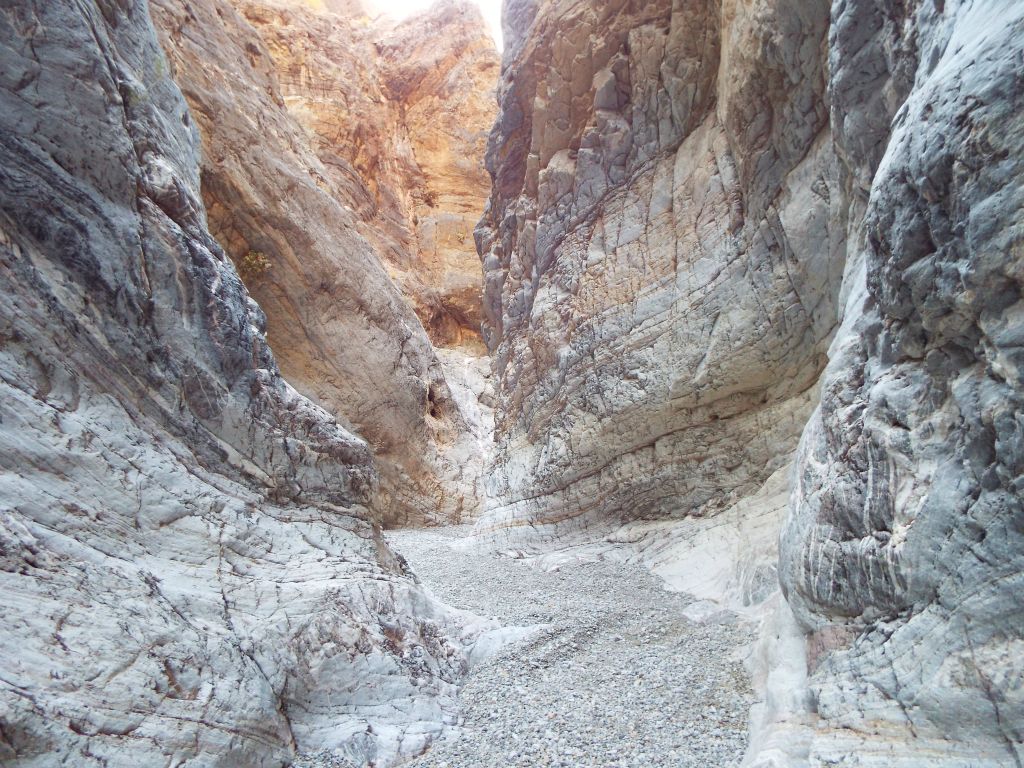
(903, 556)
(661, 255)
(189, 570)
(289, 207)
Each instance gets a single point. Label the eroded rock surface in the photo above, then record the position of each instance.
(286, 177)
(661, 255)
(689, 199)
(188, 570)
(399, 115)
(904, 553)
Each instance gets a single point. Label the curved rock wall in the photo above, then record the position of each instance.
(399, 115)
(904, 552)
(663, 251)
(188, 570)
(291, 218)
(689, 199)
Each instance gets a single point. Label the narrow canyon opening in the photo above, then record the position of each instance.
(540, 382)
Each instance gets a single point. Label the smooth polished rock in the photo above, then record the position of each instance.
(316, 207)
(189, 571)
(903, 556)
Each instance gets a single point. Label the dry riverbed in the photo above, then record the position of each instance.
(618, 677)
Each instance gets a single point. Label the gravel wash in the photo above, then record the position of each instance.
(618, 677)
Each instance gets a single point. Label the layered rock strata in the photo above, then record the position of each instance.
(399, 115)
(290, 206)
(661, 252)
(188, 570)
(689, 199)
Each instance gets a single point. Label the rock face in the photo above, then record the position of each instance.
(399, 116)
(188, 570)
(661, 254)
(289, 206)
(690, 198)
(696, 206)
(904, 552)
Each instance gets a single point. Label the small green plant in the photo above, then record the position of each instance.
(253, 265)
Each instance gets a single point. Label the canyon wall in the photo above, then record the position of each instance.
(735, 251)
(328, 163)
(904, 552)
(399, 114)
(694, 205)
(189, 570)
(663, 252)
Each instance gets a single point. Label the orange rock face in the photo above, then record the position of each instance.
(345, 186)
(399, 115)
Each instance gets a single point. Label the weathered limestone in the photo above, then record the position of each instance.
(661, 257)
(399, 115)
(904, 553)
(695, 204)
(682, 216)
(292, 219)
(188, 570)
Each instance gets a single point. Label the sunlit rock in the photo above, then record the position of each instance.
(189, 573)
(338, 155)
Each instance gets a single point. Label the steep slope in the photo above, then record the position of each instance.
(188, 568)
(343, 333)
(399, 115)
(676, 232)
(661, 255)
(904, 552)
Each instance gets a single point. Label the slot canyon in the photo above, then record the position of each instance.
(639, 384)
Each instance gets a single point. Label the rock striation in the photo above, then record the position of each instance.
(189, 568)
(663, 254)
(694, 205)
(311, 204)
(903, 555)
(399, 115)
(752, 292)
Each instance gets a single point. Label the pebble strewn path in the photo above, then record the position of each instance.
(620, 678)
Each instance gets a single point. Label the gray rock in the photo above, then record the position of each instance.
(187, 568)
(904, 553)
(616, 676)
(689, 200)
(660, 255)
(695, 204)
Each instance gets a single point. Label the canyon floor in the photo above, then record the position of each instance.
(620, 672)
